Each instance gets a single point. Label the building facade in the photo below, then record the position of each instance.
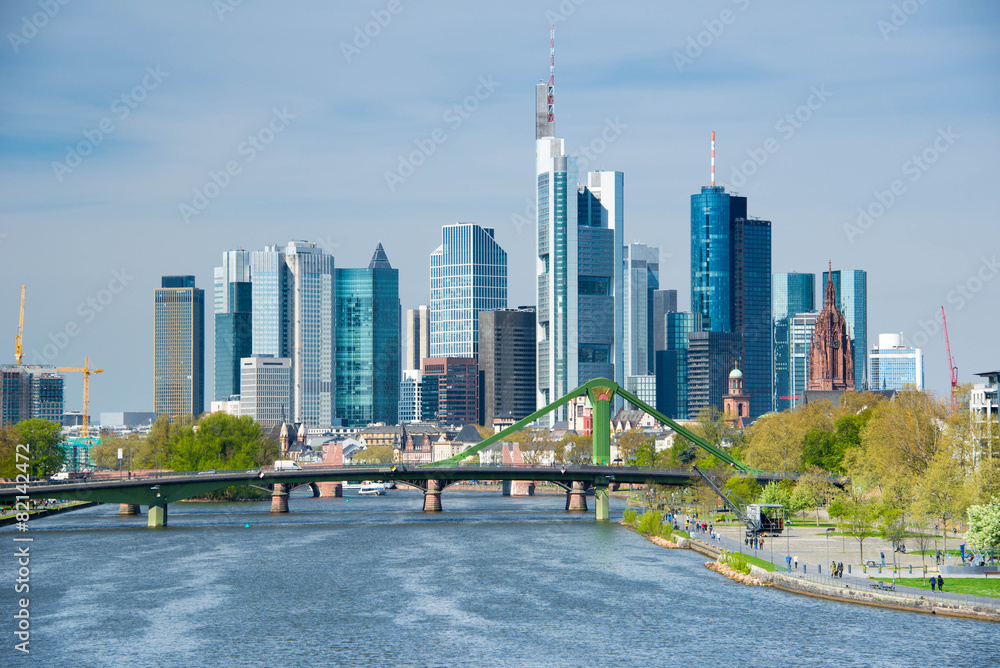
(293, 316)
(179, 347)
(664, 302)
(507, 363)
(791, 294)
(29, 391)
(233, 325)
(368, 367)
(751, 309)
(713, 214)
(468, 275)
(672, 364)
(417, 333)
(802, 327)
(641, 278)
(850, 288)
(831, 358)
(266, 388)
(457, 388)
(710, 357)
(893, 366)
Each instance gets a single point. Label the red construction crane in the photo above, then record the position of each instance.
(952, 369)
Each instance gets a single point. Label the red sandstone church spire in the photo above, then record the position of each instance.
(831, 360)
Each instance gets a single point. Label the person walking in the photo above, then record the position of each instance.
(933, 582)
(940, 581)
(796, 559)
(840, 570)
(882, 554)
(788, 561)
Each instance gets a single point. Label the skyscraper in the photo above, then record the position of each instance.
(751, 309)
(672, 364)
(507, 363)
(468, 275)
(802, 326)
(710, 358)
(791, 294)
(368, 370)
(850, 288)
(266, 388)
(418, 338)
(664, 302)
(30, 392)
(179, 347)
(713, 214)
(293, 316)
(457, 388)
(641, 278)
(233, 326)
(893, 366)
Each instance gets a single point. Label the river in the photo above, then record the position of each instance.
(492, 581)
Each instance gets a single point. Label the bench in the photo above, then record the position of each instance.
(871, 564)
(989, 573)
(884, 586)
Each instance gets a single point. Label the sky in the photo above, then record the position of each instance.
(144, 139)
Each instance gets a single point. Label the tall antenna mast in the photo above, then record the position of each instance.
(552, 75)
(713, 158)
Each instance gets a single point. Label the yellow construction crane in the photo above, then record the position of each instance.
(86, 371)
(20, 330)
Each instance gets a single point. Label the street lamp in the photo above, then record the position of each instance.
(829, 530)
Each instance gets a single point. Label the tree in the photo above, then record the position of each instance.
(221, 442)
(45, 446)
(984, 525)
(9, 438)
(745, 487)
(819, 448)
(892, 528)
(919, 537)
(373, 454)
(940, 491)
(860, 514)
(813, 490)
(629, 443)
(902, 436)
(775, 441)
(574, 449)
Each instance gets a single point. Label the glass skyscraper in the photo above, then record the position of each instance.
(641, 277)
(468, 275)
(791, 294)
(179, 347)
(751, 309)
(802, 326)
(368, 326)
(851, 289)
(233, 306)
(893, 366)
(293, 316)
(672, 364)
(713, 213)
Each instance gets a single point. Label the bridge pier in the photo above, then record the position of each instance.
(518, 487)
(157, 516)
(602, 503)
(331, 489)
(128, 509)
(576, 498)
(314, 488)
(432, 496)
(279, 498)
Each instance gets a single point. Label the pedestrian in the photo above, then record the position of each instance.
(840, 570)
(882, 554)
(762, 543)
(796, 559)
(833, 569)
(933, 582)
(788, 562)
(940, 581)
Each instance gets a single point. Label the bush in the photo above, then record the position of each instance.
(737, 561)
(651, 523)
(630, 517)
(667, 534)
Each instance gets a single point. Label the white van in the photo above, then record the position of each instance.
(286, 465)
(62, 475)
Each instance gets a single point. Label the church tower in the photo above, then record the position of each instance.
(736, 404)
(831, 359)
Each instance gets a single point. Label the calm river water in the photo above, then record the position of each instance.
(492, 581)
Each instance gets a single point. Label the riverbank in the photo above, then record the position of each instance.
(46, 512)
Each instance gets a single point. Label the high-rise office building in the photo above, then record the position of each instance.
(29, 391)
(293, 316)
(507, 363)
(468, 275)
(368, 370)
(672, 364)
(850, 288)
(893, 366)
(457, 388)
(751, 309)
(713, 214)
(641, 278)
(417, 335)
(266, 388)
(800, 336)
(791, 294)
(179, 347)
(710, 358)
(664, 302)
(233, 307)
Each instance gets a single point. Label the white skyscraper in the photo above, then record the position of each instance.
(266, 388)
(892, 366)
(293, 316)
(641, 275)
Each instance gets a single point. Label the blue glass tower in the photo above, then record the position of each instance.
(713, 213)
(751, 308)
(368, 321)
(851, 291)
(672, 364)
(791, 294)
(233, 323)
(468, 275)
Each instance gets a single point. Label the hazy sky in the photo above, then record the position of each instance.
(117, 118)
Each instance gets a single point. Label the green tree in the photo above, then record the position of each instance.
(9, 438)
(45, 446)
(813, 490)
(746, 487)
(902, 436)
(221, 441)
(775, 441)
(940, 491)
(373, 454)
(984, 525)
(861, 514)
(630, 442)
(574, 449)
(892, 527)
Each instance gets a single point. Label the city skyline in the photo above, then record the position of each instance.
(652, 116)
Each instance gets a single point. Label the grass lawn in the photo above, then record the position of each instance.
(953, 553)
(766, 565)
(681, 533)
(973, 586)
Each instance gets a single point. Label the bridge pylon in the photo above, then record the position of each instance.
(279, 498)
